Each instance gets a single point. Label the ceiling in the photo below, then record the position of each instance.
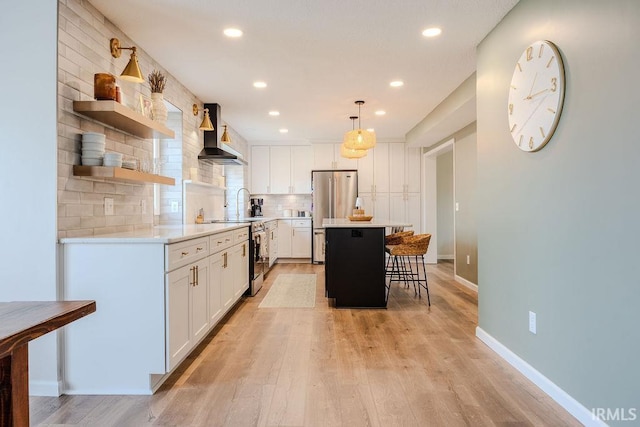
(317, 57)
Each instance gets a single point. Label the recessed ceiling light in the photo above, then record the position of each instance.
(232, 32)
(371, 130)
(380, 113)
(284, 130)
(396, 83)
(259, 85)
(432, 32)
(274, 113)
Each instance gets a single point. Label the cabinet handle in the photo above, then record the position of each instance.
(192, 276)
(272, 235)
(198, 249)
(219, 242)
(227, 240)
(225, 260)
(244, 250)
(293, 231)
(195, 276)
(185, 253)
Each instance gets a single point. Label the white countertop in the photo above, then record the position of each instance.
(374, 223)
(162, 234)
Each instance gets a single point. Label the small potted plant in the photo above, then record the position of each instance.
(157, 82)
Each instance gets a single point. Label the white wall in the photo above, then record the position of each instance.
(28, 172)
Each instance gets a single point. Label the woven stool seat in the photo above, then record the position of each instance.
(409, 246)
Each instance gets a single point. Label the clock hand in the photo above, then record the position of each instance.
(532, 86)
(531, 115)
(536, 94)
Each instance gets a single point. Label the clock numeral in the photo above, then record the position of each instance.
(510, 109)
(531, 143)
(542, 131)
(551, 110)
(520, 141)
(554, 84)
(519, 66)
(529, 53)
(513, 127)
(541, 49)
(550, 61)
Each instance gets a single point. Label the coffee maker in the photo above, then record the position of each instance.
(256, 206)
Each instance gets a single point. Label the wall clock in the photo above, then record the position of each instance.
(536, 96)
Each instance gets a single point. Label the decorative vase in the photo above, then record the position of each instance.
(158, 108)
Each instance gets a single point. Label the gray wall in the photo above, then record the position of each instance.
(444, 179)
(558, 230)
(466, 188)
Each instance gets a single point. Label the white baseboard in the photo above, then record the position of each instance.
(447, 257)
(45, 388)
(466, 283)
(572, 406)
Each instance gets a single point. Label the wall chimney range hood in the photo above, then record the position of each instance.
(212, 146)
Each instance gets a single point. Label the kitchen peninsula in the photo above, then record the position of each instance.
(159, 290)
(355, 262)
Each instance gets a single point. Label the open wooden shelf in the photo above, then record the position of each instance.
(121, 174)
(121, 117)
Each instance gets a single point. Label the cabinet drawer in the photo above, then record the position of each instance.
(221, 241)
(301, 223)
(183, 253)
(241, 236)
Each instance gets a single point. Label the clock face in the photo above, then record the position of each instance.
(536, 96)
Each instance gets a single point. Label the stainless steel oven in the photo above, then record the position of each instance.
(259, 254)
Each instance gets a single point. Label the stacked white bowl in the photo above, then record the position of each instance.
(113, 159)
(92, 148)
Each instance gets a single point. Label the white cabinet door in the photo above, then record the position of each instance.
(284, 238)
(413, 211)
(272, 236)
(199, 304)
(240, 266)
(260, 170)
(323, 156)
(280, 170)
(301, 165)
(301, 242)
(381, 206)
(381, 168)
(367, 203)
(342, 162)
(365, 173)
(179, 334)
(215, 288)
(397, 207)
(228, 291)
(413, 176)
(396, 168)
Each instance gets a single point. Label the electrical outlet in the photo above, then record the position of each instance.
(532, 322)
(175, 207)
(143, 206)
(468, 259)
(108, 206)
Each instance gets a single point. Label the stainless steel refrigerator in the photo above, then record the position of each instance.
(334, 196)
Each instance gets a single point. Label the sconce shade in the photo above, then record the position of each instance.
(225, 136)
(206, 121)
(350, 153)
(132, 71)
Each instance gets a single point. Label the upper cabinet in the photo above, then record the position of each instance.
(115, 114)
(281, 169)
(373, 170)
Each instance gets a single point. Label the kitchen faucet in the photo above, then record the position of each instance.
(238, 201)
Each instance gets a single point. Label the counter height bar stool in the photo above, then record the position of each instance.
(391, 240)
(412, 246)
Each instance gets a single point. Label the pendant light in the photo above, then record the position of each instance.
(359, 139)
(352, 153)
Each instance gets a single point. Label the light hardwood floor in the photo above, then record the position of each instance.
(409, 365)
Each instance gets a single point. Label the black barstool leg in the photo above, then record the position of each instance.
(426, 283)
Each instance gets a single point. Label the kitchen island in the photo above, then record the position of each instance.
(355, 262)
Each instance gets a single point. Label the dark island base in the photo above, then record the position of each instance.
(354, 267)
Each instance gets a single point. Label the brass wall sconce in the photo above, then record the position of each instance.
(132, 71)
(206, 121)
(225, 136)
